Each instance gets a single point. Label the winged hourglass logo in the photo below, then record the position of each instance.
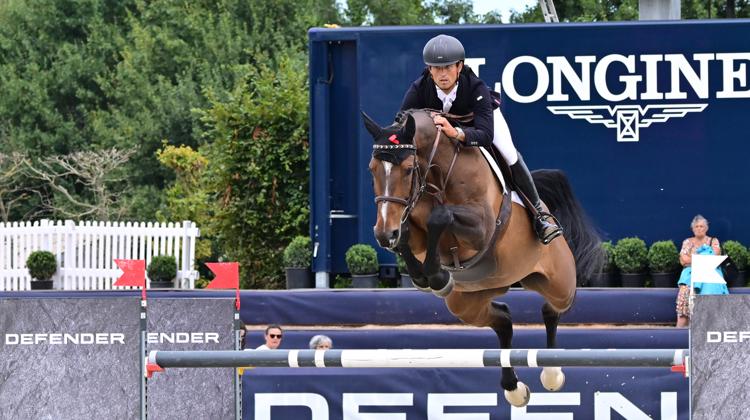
(627, 119)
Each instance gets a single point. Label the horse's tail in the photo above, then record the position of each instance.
(583, 239)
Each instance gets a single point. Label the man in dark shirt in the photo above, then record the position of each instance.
(448, 85)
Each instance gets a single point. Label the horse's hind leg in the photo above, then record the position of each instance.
(552, 377)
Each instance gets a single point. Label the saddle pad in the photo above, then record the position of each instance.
(514, 197)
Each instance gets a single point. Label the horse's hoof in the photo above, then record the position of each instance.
(520, 396)
(446, 290)
(552, 378)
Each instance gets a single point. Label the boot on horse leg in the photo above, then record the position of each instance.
(517, 393)
(413, 266)
(439, 280)
(552, 378)
(545, 225)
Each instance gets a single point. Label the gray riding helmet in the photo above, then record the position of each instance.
(443, 50)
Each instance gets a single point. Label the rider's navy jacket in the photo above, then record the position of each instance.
(473, 96)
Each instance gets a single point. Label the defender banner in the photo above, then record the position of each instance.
(191, 324)
(720, 357)
(62, 358)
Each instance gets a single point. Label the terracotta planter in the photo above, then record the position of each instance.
(162, 284)
(299, 278)
(41, 284)
(610, 279)
(668, 280)
(739, 281)
(364, 281)
(633, 279)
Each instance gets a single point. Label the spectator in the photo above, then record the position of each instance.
(273, 337)
(702, 244)
(321, 342)
(243, 334)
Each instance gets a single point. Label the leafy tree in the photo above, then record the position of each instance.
(188, 198)
(259, 167)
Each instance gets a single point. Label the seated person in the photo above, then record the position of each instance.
(702, 244)
(321, 342)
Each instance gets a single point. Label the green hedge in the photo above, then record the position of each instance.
(737, 252)
(162, 268)
(362, 259)
(298, 254)
(663, 257)
(631, 255)
(42, 265)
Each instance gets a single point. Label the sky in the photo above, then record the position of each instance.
(504, 6)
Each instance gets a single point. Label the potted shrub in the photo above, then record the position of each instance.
(162, 271)
(362, 261)
(405, 280)
(739, 255)
(607, 275)
(631, 257)
(297, 258)
(663, 262)
(42, 265)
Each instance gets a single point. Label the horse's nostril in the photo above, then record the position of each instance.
(394, 234)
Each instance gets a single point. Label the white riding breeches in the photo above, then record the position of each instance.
(502, 139)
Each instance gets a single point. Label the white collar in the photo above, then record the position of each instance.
(447, 98)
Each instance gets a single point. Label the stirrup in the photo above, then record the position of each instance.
(545, 230)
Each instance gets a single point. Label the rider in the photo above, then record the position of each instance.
(448, 85)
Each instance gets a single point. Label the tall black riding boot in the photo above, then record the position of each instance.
(545, 225)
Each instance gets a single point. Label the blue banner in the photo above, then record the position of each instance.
(419, 394)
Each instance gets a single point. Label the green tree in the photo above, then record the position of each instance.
(259, 167)
(188, 198)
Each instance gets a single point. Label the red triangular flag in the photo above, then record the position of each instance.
(227, 275)
(133, 273)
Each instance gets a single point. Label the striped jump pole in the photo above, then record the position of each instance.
(436, 358)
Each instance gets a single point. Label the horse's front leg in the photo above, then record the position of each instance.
(466, 223)
(478, 309)
(517, 393)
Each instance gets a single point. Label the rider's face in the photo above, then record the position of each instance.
(445, 77)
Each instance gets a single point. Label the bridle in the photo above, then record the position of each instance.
(419, 183)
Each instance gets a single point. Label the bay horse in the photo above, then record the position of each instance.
(437, 206)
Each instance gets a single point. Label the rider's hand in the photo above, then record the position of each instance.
(446, 126)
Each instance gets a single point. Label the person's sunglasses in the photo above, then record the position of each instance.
(274, 335)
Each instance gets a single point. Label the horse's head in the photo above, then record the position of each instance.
(393, 165)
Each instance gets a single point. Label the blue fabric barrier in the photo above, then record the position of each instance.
(397, 306)
(479, 338)
(389, 306)
(588, 393)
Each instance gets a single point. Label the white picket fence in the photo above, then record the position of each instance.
(86, 251)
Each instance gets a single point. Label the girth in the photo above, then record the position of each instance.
(484, 263)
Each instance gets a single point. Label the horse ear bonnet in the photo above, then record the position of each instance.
(398, 133)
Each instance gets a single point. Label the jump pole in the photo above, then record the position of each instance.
(434, 358)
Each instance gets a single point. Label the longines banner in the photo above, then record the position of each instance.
(81, 359)
(69, 358)
(720, 356)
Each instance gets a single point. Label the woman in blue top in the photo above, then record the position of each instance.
(700, 244)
